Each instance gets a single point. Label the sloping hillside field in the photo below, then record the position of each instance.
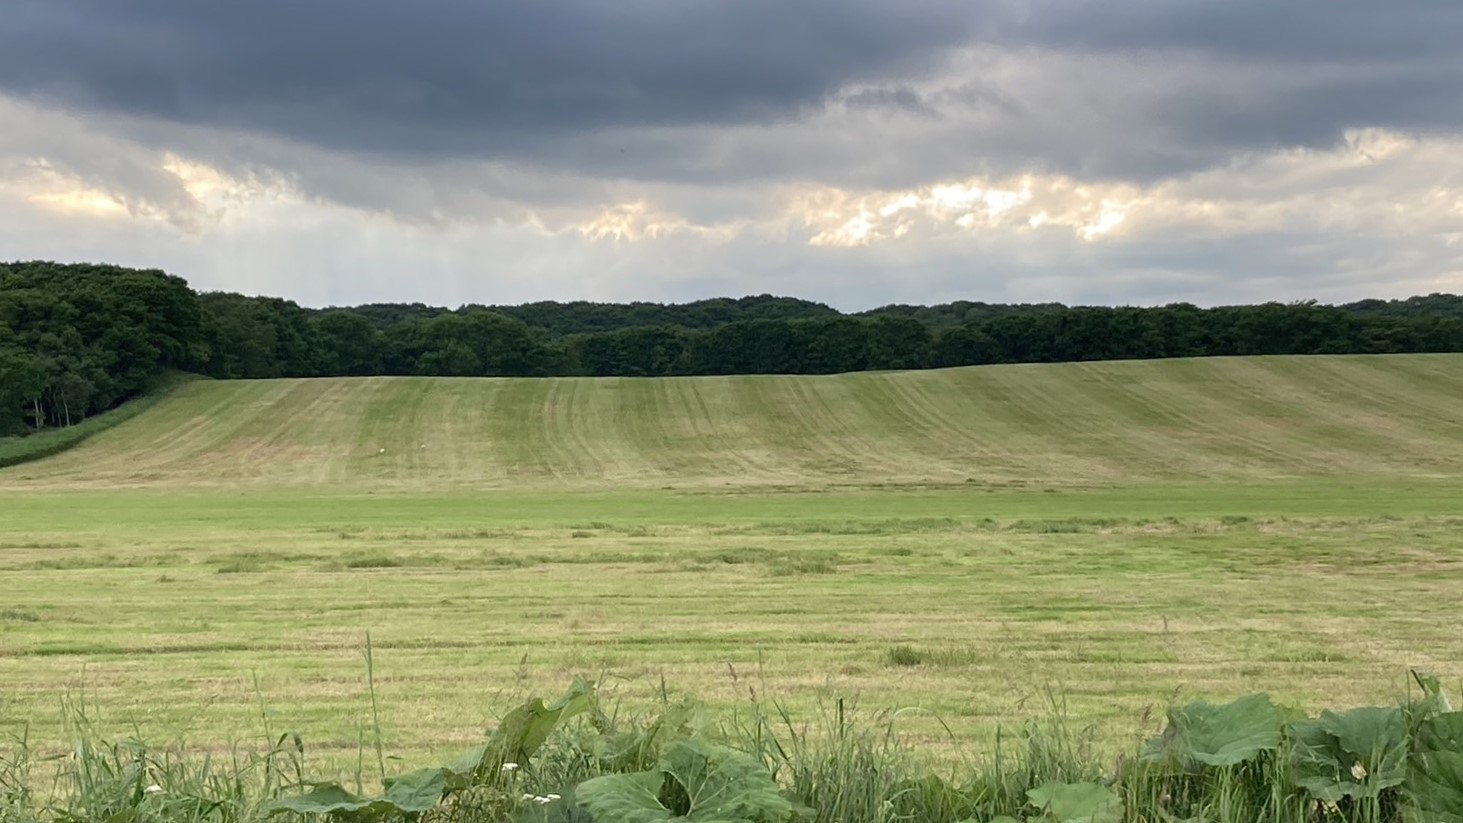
(960, 541)
(1040, 425)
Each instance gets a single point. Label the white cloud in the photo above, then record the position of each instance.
(1380, 214)
(1377, 183)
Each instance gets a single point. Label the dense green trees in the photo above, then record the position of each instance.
(473, 342)
(347, 344)
(636, 352)
(258, 337)
(77, 339)
(580, 317)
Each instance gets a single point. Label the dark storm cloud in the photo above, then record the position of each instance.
(462, 76)
(1291, 31)
(1256, 74)
(657, 89)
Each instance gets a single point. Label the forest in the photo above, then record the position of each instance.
(78, 339)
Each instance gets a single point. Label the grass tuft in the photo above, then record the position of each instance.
(243, 565)
(904, 656)
(379, 560)
(794, 566)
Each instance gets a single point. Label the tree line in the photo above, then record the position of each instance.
(79, 339)
(75, 340)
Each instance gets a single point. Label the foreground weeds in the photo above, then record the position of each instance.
(578, 760)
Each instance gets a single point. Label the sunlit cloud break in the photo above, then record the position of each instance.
(856, 152)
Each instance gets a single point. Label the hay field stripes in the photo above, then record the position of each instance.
(468, 601)
(1065, 424)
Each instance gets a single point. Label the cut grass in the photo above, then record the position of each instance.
(989, 428)
(1315, 591)
(49, 442)
(956, 541)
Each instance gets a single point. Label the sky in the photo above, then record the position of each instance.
(855, 152)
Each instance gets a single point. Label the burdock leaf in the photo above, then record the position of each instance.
(694, 782)
(1202, 733)
(1077, 802)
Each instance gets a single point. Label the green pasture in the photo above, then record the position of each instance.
(189, 614)
(962, 544)
(1025, 426)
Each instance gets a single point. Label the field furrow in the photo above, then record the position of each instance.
(1068, 424)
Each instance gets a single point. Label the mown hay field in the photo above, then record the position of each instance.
(1217, 419)
(960, 542)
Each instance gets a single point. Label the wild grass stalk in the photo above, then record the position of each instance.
(838, 765)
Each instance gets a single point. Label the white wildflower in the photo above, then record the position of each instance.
(509, 767)
(543, 801)
(153, 789)
(1358, 771)
(552, 796)
(526, 797)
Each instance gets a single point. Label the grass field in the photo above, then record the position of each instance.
(957, 541)
(1043, 425)
(15, 450)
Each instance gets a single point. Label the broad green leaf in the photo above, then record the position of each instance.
(466, 763)
(723, 784)
(1440, 733)
(1434, 787)
(639, 747)
(322, 799)
(695, 782)
(624, 798)
(411, 793)
(543, 718)
(1434, 699)
(563, 809)
(522, 731)
(1318, 763)
(1355, 753)
(1077, 802)
(332, 799)
(1204, 734)
(420, 790)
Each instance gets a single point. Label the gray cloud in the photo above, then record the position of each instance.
(718, 90)
(462, 150)
(460, 76)
(1287, 31)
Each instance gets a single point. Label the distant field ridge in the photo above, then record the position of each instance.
(1051, 425)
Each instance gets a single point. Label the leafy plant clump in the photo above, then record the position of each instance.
(1201, 734)
(516, 739)
(568, 761)
(694, 781)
